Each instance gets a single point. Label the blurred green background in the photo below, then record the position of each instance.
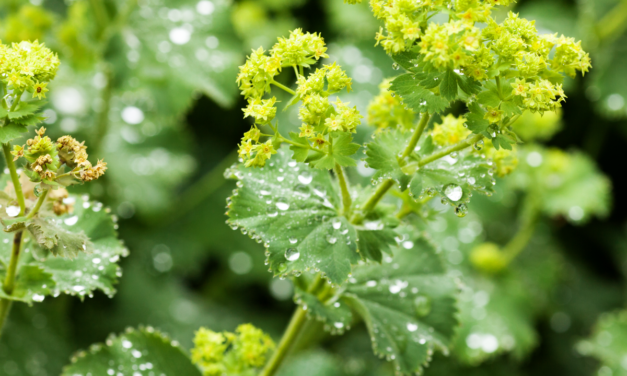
(150, 84)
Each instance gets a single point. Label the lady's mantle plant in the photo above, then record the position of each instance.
(378, 263)
(53, 242)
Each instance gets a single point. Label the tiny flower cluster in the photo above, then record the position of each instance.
(318, 115)
(386, 110)
(47, 160)
(504, 161)
(27, 66)
(223, 353)
(451, 131)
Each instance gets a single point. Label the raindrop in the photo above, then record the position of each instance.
(412, 327)
(293, 240)
(282, 267)
(180, 35)
(271, 211)
(461, 210)
(331, 239)
(292, 254)
(282, 204)
(453, 192)
(132, 115)
(71, 221)
(478, 145)
(13, 211)
(305, 177)
(422, 305)
(395, 66)
(337, 223)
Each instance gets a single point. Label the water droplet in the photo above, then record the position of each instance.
(331, 239)
(412, 327)
(293, 240)
(282, 204)
(302, 190)
(454, 192)
(271, 211)
(422, 305)
(478, 145)
(282, 267)
(13, 211)
(337, 223)
(338, 325)
(395, 66)
(71, 221)
(305, 177)
(292, 254)
(461, 210)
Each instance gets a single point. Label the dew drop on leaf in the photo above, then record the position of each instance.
(478, 145)
(305, 177)
(454, 192)
(422, 305)
(292, 254)
(461, 210)
(282, 204)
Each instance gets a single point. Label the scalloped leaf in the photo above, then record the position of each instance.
(336, 316)
(294, 210)
(408, 304)
(453, 178)
(418, 98)
(56, 239)
(382, 155)
(11, 131)
(41, 273)
(608, 342)
(137, 351)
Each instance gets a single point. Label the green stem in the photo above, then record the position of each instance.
(498, 84)
(102, 119)
(6, 148)
(35, 209)
(528, 219)
(100, 14)
(415, 137)
(346, 196)
(295, 327)
(451, 149)
(386, 185)
(281, 86)
(9, 280)
(613, 23)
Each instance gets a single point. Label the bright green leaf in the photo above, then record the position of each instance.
(142, 350)
(448, 85)
(340, 153)
(416, 97)
(382, 155)
(336, 316)
(11, 131)
(408, 304)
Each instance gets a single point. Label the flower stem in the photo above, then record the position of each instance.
(346, 196)
(9, 281)
(415, 137)
(6, 148)
(613, 23)
(451, 149)
(40, 201)
(287, 341)
(528, 218)
(386, 185)
(281, 86)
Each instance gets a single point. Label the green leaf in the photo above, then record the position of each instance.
(137, 350)
(58, 240)
(372, 244)
(406, 59)
(32, 283)
(453, 178)
(448, 86)
(565, 184)
(11, 131)
(489, 98)
(81, 275)
(382, 155)
(417, 97)
(26, 108)
(293, 210)
(340, 152)
(336, 316)
(408, 305)
(475, 119)
(468, 84)
(300, 153)
(608, 342)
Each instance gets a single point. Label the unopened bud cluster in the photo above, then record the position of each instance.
(64, 162)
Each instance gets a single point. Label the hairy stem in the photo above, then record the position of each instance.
(451, 149)
(102, 119)
(346, 196)
(281, 86)
(6, 148)
(9, 280)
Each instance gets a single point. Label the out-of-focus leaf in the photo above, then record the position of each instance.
(608, 342)
(142, 350)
